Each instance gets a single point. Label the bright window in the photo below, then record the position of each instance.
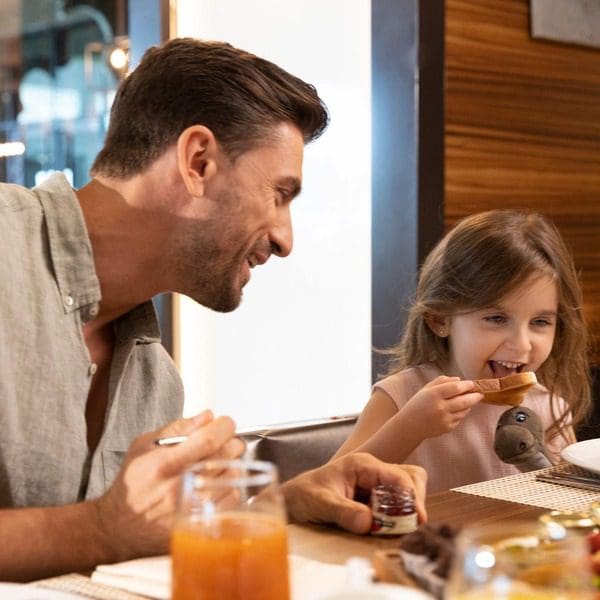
(299, 347)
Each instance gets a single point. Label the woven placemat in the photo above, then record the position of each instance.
(524, 489)
(85, 587)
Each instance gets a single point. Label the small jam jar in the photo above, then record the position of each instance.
(394, 511)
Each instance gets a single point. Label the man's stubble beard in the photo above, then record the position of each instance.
(206, 272)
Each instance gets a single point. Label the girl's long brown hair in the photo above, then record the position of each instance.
(481, 260)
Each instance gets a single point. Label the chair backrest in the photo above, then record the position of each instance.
(298, 447)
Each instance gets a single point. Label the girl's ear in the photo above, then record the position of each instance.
(438, 324)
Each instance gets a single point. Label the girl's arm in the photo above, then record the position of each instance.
(558, 441)
(380, 410)
(562, 438)
(391, 435)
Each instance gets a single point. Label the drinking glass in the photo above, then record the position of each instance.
(517, 560)
(229, 538)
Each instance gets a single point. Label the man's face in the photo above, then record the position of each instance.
(249, 220)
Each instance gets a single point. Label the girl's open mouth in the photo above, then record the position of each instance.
(503, 368)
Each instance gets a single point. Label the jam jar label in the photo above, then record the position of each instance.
(385, 524)
(394, 511)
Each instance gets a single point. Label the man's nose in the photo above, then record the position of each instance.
(281, 235)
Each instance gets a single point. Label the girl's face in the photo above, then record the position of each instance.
(515, 335)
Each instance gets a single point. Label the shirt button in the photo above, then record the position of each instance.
(93, 368)
(94, 311)
(69, 300)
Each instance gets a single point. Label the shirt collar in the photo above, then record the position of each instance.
(70, 247)
(140, 323)
(73, 262)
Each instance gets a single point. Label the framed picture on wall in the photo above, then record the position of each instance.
(569, 21)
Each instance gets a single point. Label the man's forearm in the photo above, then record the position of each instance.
(132, 519)
(42, 542)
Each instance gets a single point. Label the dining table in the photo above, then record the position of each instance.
(330, 545)
(522, 496)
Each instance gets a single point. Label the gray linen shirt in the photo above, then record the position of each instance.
(48, 289)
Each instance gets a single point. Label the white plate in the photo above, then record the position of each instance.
(18, 591)
(584, 454)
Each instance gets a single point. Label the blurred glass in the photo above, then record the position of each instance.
(229, 540)
(595, 512)
(56, 85)
(517, 560)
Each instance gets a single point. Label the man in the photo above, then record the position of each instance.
(190, 192)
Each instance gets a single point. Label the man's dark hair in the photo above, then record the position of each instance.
(238, 96)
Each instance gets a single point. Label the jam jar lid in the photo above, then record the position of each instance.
(390, 494)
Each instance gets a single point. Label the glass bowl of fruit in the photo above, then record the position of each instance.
(514, 560)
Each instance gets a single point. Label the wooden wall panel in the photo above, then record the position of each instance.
(523, 128)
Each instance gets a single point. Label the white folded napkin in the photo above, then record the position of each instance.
(146, 576)
(310, 578)
(152, 577)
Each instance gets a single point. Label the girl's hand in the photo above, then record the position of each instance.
(441, 405)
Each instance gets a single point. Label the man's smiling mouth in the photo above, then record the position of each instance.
(256, 259)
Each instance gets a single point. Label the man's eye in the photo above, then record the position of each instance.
(283, 195)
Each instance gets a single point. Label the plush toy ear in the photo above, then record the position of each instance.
(439, 324)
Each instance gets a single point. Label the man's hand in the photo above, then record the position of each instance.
(136, 514)
(132, 519)
(326, 494)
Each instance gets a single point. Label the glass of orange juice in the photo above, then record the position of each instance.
(520, 560)
(229, 538)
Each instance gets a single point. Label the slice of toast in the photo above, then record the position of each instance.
(389, 568)
(508, 390)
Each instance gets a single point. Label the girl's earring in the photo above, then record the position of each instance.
(442, 332)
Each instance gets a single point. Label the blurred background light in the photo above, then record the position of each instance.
(12, 149)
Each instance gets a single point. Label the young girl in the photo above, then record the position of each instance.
(498, 295)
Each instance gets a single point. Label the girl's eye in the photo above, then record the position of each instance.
(496, 319)
(542, 323)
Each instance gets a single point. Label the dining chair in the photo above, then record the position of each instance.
(300, 446)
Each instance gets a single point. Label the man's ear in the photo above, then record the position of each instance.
(438, 324)
(197, 154)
